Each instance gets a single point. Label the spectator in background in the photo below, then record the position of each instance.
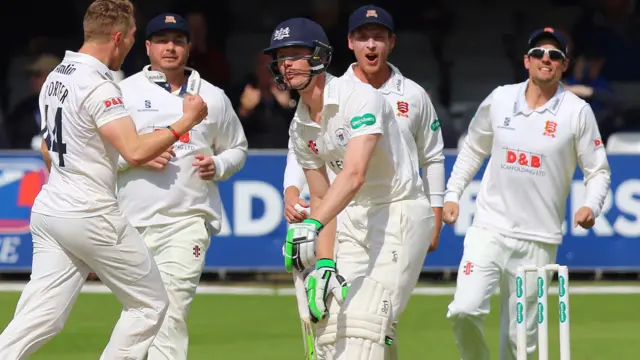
(329, 14)
(23, 123)
(613, 26)
(587, 82)
(265, 111)
(208, 59)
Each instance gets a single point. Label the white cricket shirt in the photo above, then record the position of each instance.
(418, 124)
(353, 109)
(152, 197)
(534, 154)
(78, 97)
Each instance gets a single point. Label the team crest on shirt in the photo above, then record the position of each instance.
(342, 136)
(403, 108)
(550, 128)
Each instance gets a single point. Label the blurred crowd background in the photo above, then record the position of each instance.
(459, 50)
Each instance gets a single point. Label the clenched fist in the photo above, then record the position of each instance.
(195, 108)
(450, 212)
(585, 218)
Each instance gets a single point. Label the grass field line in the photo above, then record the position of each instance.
(96, 288)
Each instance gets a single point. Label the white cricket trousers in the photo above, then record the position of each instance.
(388, 243)
(489, 262)
(64, 252)
(179, 250)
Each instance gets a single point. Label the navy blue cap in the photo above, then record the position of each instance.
(298, 32)
(167, 21)
(549, 33)
(370, 14)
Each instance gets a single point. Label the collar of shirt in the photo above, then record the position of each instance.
(192, 86)
(394, 84)
(94, 63)
(520, 106)
(330, 97)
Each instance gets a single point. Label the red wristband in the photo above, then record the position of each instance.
(175, 133)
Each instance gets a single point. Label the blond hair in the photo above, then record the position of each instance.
(103, 17)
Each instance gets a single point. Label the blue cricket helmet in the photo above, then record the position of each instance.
(299, 32)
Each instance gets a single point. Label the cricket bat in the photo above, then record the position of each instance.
(305, 318)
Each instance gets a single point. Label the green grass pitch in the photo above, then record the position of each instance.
(256, 327)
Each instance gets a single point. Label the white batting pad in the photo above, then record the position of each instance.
(365, 322)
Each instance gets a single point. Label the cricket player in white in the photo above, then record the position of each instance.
(371, 38)
(350, 127)
(174, 201)
(75, 223)
(536, 133)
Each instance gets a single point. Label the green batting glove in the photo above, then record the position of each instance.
(324, 281)
(299, 249)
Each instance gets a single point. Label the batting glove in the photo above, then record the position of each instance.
(321, 283)
(299, 249)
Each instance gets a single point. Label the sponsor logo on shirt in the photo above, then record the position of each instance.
(467, 268)
(364, 120)
(147, 107)
(505, 124)
(522, 161)
(313, 147)
(403, 108)
(550, 128)
(435, 125)
(113, 103)
(597, 143)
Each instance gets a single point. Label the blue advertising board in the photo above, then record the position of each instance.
(253, 227)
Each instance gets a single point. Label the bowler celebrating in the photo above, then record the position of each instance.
(536, 133)
(76, 224)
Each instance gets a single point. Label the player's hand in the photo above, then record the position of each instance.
(584, 217)
(206, 167)
(294, 209)
(321, 283)
(195, 108)
(161, 162)
(450, 212)
(299, 248)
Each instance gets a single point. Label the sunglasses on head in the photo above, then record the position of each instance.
(539, 52)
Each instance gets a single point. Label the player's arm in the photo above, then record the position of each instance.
(366, 111)
(319, 184)
(315, 171)
(230, 143)
(115, 124)
(293, 184)
(294, 176)
(592, 159)
(429, 143)
(477, 146)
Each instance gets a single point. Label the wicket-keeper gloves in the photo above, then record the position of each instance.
(299, 249)
(324, 281)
